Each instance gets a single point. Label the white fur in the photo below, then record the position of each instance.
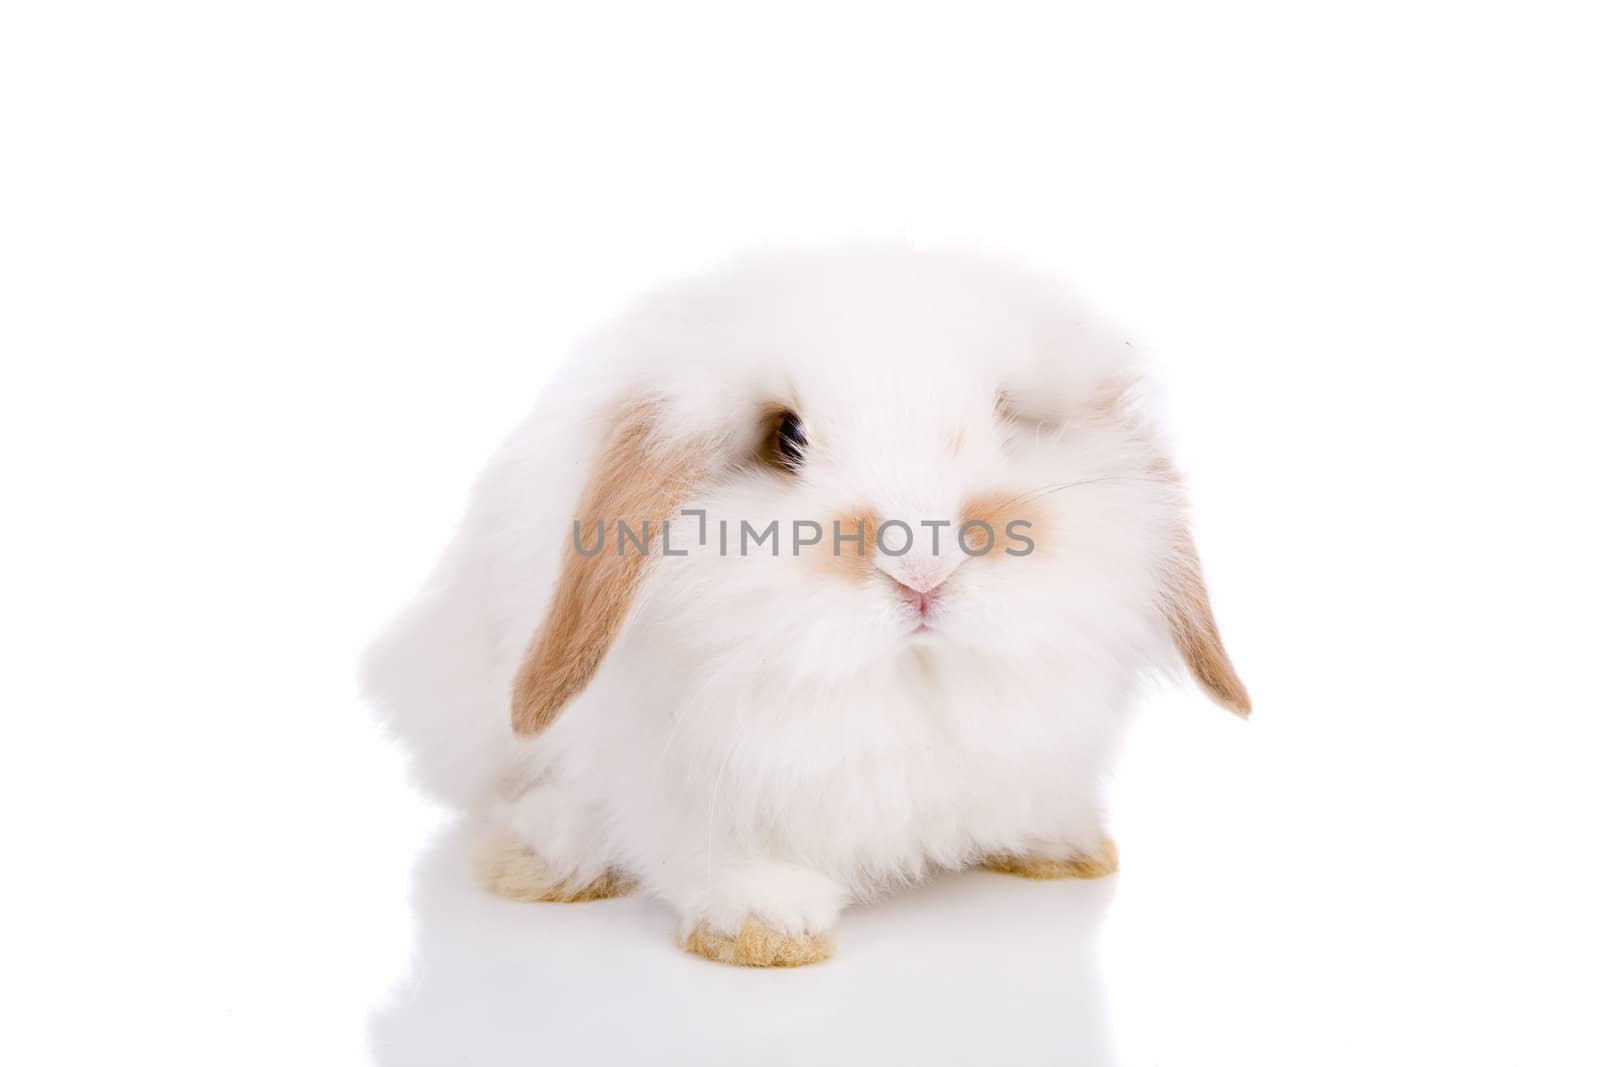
(763, 739)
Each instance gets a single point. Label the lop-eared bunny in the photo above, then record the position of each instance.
(806, 578)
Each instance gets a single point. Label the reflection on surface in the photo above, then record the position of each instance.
(970, 968)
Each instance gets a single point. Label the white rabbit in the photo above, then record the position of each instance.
(761, 731)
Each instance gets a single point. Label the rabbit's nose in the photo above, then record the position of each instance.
(919, 583)
(921, 577)
(923, 600)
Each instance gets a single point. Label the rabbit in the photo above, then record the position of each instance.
(808, 576)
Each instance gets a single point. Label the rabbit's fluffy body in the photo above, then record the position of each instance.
(769, 737)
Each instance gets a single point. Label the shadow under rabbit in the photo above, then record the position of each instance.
(970, 967)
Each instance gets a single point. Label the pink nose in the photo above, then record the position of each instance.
(921, 599)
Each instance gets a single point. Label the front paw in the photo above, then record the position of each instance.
(1094, 863)
(760, 914)
(758, 945)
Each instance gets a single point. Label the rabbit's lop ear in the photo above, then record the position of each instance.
(639, 477)
(1194, 629)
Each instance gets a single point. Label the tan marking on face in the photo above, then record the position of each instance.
(637, 477)
(999, 510)
(758, 945)
(853, 560)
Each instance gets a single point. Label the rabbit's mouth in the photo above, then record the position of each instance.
(921, 606)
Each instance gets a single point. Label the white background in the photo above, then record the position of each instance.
(274, 277)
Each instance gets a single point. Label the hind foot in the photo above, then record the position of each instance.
(508, 868)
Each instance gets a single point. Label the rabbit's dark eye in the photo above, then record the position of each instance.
(791, 439)
(785, 446)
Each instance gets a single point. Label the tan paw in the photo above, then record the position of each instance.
(1096, 865)
(507, 868)
(757, 945)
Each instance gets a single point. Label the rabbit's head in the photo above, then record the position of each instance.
(870, 458)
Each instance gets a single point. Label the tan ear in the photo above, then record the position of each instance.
(1194, 630)
(637, 477)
